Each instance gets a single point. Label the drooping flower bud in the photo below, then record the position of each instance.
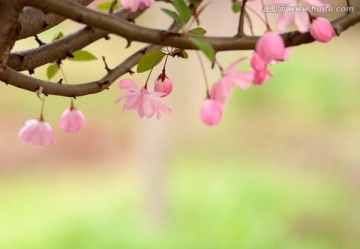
(211, 112)
(322, 30)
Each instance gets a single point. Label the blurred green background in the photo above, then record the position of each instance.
(282, 170)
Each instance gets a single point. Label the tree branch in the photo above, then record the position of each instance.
(14, 78)
(59, 49)
(159, 37)
(34, 21)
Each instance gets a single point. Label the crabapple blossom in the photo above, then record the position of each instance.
(211, 112)
(134, 5)
(163, 85)
(72, 120)
(270, 47)
(322, 30)
(261, 72)
(141, 100)
(37, 132)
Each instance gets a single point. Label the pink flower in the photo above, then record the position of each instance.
(37, 132)
(72, 120)
(163, 86)
(221, 91)
(261, 77)
(322, 30)
(261, 72)
(293, 14)
(211, 112)
(270, 47)
(141, 100)
(135, 5)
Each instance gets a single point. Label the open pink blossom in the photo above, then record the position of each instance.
(211, 112)
(72, 120)
(134, 5)
(141, 100)
(295, 13)
(270, 47)
(163, 86)
(37, 132)
(322, 30)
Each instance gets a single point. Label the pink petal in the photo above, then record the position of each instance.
(302, 21)
(129, 85)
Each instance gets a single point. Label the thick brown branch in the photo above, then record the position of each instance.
(9, 12)
(164, 38)
(59, 49)
(23, 81)
(34, 21)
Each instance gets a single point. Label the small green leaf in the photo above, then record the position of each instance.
(150, 60)
(106, 6)
(182, 9)
(174, 16)
(83, 55)
(58, 36)
(205, 47)
(197, 31)
(236, 7)
(52, 70)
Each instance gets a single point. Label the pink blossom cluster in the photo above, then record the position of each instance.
(319, 27)
(39, 132)
(135, 5)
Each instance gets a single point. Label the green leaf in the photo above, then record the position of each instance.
(174, 16)
(58, 36)
(150, 60)
(205, 47)
(107, 5)
(182, 9)
(52, 70)
(236, 7)
(197, 31)
(83, 55)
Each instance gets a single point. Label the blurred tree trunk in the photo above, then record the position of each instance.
(9, 12)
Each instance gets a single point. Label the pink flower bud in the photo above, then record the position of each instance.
(261, 77)
(270, 47)
(257, 63)
(322, 30)
(163, 86)
(72, 120)
(37, 132)
(211, 112)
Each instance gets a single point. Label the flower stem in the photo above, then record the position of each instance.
(42, 110)
(204, 73)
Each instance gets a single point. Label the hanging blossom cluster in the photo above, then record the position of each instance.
(39, 132)
(270, 50)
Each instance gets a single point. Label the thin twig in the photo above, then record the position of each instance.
(242, 20)
(106, 65)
